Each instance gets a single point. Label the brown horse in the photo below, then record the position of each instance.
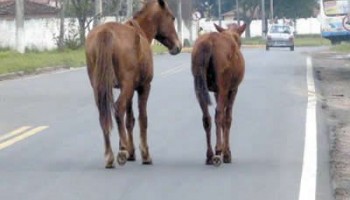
(120, 56)
(218, 66)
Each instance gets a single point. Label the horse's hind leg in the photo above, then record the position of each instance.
(130, 122)
(227, 126)
(219, 122)
(143, 93)
(120, 109)
(109, 157)
(207, 127)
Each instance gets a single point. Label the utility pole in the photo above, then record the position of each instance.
(271, 9)
(237, 13)
(98, 12)
(129, 8)
(139, 5)
(62, 30)
(179, 20)
(263, 18)
(20, 46)
(219, 12)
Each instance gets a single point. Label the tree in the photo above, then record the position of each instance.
(82, 9)
(185, 11)
(294, 9)
(251, 9)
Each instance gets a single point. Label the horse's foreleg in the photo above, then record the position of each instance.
(130, 122)
(227, 126)
(120, 109)
(142, 101)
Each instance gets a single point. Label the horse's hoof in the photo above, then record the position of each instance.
(132, 157)
(110, 166)
(110, 161)
(147, 161)
(209, 161)
(216, 161)
(122, 157)
(227, 159)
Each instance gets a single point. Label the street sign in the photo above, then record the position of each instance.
(196, 16)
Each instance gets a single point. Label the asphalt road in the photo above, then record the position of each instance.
(58, 153)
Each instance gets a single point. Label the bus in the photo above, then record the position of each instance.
(333, 18)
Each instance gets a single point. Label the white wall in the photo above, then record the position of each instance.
(39, 33)
(303, 26)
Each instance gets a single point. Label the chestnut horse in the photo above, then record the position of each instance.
(218, 66)
(120, 56)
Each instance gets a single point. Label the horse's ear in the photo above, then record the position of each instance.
(161, 3)
(241, 29)
(219, 28)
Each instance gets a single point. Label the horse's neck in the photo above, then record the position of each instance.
(136, 26)
(147, 27)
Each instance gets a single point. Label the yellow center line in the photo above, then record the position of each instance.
(22, 136)
(13, 133)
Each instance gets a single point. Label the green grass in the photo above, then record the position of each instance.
(159, 49)
(11, 61)
(342, 48)
(300, 40)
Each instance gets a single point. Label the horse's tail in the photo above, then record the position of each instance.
(104, 78)
(200, 63)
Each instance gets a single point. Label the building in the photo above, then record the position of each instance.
(32, 9)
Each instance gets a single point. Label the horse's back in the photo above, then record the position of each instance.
(124, 37)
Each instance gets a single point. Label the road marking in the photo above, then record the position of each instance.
(309, 170)
(13, 133)
(20, 137)
(173, 71)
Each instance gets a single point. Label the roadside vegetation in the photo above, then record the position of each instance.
(14, 62)
(30, 61)
(344, 47)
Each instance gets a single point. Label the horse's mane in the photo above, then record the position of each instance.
(140, 12)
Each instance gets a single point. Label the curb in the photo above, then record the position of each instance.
(15, 75)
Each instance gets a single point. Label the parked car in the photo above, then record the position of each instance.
(280, 36)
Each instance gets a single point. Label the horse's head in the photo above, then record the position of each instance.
(166, 33)
(234, 30)
(157, 20)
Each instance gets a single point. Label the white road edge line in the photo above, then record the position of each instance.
(309, 168)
